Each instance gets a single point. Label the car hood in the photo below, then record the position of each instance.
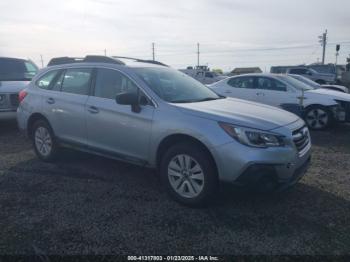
(240, 112)
(336, 95)
(12, 86)
(344, 88)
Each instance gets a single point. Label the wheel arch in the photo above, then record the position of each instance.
(32, 119)
(318, 105)
(173, 139)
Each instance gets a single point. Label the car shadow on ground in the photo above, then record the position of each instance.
(8, 126)
(69, 207)
(338, 135)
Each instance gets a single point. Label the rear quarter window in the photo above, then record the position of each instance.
(45, 81)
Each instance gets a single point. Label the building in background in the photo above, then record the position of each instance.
(244, 70)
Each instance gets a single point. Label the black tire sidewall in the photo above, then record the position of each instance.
(325, 109)
(207, 165)
(52, 155)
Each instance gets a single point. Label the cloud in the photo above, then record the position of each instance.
(231, 32)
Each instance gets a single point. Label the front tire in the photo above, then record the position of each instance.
(318, 117)
(189, 174)
(44, 142)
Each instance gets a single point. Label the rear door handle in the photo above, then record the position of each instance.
(260, 94)
(228, 92)
(93, 109)
(50, 101)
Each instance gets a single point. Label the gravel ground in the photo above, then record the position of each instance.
(85, 204)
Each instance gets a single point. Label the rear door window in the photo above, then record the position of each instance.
(77, 81)
(110, 82)
(270, 84)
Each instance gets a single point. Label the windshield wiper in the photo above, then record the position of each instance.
(198, 100)
(208, 99)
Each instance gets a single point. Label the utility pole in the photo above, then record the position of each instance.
(323, 41)
(105, 51)
(42, 61)
(153, 55)
(198, 54)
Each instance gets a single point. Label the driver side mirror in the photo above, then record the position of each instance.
(131, 99)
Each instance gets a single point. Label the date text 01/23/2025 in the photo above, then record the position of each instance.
(172, 258)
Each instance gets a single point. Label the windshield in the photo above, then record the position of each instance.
(295, 83)
(174, 86)
(16, 70)
(306, 80)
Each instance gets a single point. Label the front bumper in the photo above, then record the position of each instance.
(342, 112)
(266, 177)
(245, 166)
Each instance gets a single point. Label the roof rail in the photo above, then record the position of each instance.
(141, 60)
(86, 59)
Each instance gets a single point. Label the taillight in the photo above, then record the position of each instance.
(22, 95)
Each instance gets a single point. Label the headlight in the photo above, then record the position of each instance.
(252, 137)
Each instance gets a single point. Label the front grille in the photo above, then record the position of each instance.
(301, 139)
(14, 100)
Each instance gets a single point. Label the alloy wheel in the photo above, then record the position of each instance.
(186, 176)
(43, 141)
(317, 118)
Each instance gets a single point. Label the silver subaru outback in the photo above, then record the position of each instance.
(146, 113)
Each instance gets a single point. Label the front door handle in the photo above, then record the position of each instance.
(228, 92)
(50, 101)
(260, 94)
(93, 109)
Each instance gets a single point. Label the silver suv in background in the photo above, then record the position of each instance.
(320, 78)
(155, 116)
(15, 74)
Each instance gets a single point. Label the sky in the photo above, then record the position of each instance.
(231, 33)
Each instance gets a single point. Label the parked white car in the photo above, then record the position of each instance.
(313, 84)
(203, 76)
(321, 107)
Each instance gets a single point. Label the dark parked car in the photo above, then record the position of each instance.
(15, 74)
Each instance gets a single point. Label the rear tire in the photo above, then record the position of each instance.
(189, 174)
(318, 117)
(44, 143)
